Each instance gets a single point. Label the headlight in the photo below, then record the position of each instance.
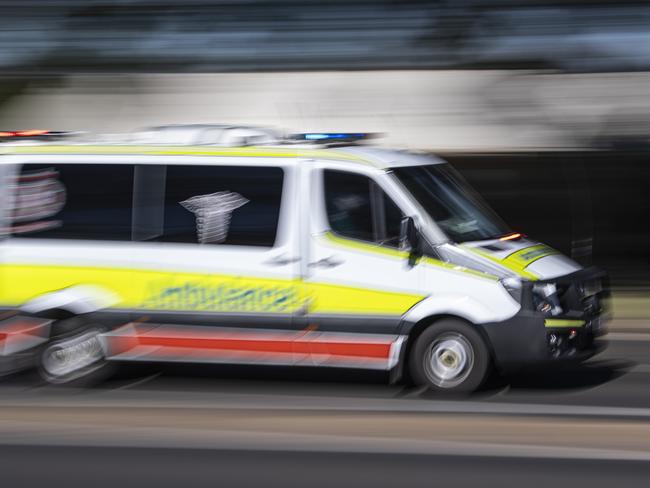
(590, 288)
(513, 286)
(545, 299)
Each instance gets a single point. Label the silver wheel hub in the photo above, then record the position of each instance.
(449, 360)
(69, 356)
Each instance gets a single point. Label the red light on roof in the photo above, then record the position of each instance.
(24, 133)
(33, 132)
(510, 237)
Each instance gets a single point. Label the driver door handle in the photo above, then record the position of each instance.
(328, 262)
(281, 260)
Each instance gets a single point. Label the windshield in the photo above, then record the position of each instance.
(451, 202)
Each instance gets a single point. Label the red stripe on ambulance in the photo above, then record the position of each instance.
(165, 342)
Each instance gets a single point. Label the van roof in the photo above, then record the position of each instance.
(379, 158)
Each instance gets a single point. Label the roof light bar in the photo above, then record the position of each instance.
(35, 134)
(325, 137)
(24, 133)
(31, 133)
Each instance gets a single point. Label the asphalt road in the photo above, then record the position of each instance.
(586, 425)
(106, 467)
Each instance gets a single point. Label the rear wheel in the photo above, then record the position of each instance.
(450, 356)
(74, 355)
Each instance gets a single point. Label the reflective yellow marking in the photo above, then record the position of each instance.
(365, 246)
(168, 290)
(563, 323)
(344, 299)
(525, 257)
(513, 265)
(155, 290)
(387, 251)
(257, 152)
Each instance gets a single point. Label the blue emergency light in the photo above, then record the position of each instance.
(325, 137)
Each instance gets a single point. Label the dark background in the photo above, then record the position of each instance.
(592, 205)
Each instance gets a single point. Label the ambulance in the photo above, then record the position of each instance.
(318, 249)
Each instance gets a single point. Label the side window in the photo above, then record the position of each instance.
(73, 201)
(347, 200)
(393, 219)
(357, 208)
(218, 205)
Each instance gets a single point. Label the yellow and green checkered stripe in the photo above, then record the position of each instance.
(519, 260)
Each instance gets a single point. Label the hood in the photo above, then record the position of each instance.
(525, 257)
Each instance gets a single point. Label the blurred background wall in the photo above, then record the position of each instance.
(543, 105)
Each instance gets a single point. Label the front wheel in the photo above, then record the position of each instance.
(450, 356)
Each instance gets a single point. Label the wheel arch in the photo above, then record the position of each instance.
(413, 330)
(71, 301)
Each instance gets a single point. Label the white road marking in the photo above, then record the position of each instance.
(640, 368)
(139, 382)
(253, 402)
(268, 441)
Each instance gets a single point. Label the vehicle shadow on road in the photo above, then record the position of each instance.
(566, 377)
(344, 383)
(550, 379)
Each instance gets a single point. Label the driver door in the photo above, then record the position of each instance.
(358, 281)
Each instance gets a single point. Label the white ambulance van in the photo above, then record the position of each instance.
(318, 251)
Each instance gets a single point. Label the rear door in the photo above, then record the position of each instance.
(70, 226)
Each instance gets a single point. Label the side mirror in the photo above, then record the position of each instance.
(410, 240)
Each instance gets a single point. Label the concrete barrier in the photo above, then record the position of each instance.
(436, 110)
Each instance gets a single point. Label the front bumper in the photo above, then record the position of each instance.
(526, 339)
(530, 337)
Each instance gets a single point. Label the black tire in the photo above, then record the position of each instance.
(449, 356)
(75, 335)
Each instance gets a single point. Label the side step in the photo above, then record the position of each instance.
(178, 343)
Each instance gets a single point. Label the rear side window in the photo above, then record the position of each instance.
(73, 201)
(189, 204)
(359, 209)
(208, 204)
